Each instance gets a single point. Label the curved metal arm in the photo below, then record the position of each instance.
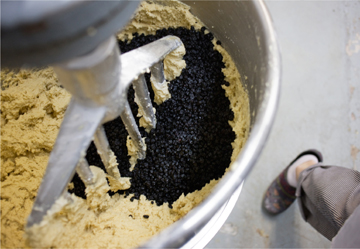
(76, 132)
(138, 61)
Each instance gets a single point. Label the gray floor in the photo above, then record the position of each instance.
(319, 108)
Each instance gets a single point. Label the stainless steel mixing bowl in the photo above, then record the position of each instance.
(246, 32)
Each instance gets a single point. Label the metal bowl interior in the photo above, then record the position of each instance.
(246, 32)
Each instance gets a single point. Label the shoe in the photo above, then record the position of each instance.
(280, 195)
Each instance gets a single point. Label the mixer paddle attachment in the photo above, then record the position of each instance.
(98, 83)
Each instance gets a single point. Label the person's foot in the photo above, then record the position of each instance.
(281, 194)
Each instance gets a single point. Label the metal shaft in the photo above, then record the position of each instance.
(84, 172)
(129, 121)
(157, 73)
(90, 78)
(103, 149)
(142, 98)
(76, 132)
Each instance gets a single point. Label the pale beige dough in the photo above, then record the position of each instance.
(101, 221)
(32, 108)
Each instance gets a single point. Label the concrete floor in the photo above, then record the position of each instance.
(319, 108)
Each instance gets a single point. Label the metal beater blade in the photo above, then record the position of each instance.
(98, 83)
(76, 132)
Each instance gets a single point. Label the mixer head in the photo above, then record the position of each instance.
(77, 38)
(40, 33)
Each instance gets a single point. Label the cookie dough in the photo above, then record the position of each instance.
(32, 108)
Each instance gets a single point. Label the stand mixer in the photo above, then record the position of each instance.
(77, 39)
(246, 32)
